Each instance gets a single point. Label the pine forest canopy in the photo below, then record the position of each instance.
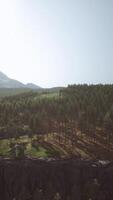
(92, 104)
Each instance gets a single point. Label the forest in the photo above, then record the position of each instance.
(78, 119)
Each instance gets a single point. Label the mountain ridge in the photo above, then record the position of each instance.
(6, 82)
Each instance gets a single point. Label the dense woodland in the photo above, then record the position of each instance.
(83, 108)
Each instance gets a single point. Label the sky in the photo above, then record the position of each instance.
(57, 42)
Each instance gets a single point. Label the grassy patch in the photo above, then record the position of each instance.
(32, 151)
(31, 147)
(4, 148)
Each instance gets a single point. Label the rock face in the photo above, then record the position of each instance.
(55, 180)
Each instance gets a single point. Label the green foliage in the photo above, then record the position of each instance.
(23, 146)
(83, 106)
(32, 151)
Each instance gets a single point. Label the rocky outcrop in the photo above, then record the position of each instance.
(71, 179)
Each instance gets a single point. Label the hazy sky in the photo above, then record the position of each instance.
(57, 42)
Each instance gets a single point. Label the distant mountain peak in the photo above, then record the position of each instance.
(3, 76)
(6, 82)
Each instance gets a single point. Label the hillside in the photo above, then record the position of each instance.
(78, 120)
(57, 145)
(6, 82)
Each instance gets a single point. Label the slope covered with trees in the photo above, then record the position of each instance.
(76, 112)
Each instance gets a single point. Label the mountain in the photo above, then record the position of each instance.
(6, 82)
(32, 86)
